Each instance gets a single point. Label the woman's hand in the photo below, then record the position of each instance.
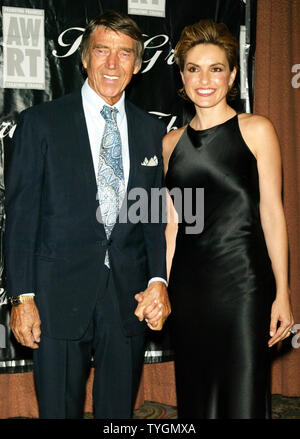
(281, 312)
(154, 305)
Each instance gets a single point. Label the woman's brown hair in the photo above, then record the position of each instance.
(207, 32)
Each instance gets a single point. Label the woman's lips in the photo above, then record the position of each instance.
(205, 91)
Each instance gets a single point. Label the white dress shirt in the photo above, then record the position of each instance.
(92, 106)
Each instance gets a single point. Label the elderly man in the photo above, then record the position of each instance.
(74, 269)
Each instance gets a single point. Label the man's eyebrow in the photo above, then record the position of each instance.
(127, 49)
(103, 46)
(100, 45)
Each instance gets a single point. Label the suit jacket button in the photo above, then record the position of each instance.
(109, 242)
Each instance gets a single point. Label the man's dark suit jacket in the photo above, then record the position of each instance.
(54, 244)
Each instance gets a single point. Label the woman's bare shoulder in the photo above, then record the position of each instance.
(171, 139)
(254, 121)
(258, 132)
(169, 142)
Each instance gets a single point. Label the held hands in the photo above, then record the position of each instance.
(25, 324)
(154, 305)
(281, 312)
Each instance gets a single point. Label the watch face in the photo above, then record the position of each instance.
(15, 300)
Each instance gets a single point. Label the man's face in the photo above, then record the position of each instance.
(110, 63)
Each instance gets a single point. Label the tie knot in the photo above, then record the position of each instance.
(109, 113)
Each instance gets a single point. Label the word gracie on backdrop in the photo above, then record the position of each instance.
(188, 203)
(155, 43)
(7, 128)
(296, 78)
(160, 115)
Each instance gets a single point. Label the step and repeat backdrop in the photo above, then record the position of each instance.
(39, 61)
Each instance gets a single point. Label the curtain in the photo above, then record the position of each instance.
(277, 96)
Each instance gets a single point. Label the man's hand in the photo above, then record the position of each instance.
(154, 305)
(25, 324)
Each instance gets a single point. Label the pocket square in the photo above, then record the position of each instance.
(153, 161)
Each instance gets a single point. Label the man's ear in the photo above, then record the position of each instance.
(84, 62)
(137, 68)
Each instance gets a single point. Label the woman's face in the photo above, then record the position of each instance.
(207, 76)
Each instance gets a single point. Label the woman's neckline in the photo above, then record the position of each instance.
(215, 126)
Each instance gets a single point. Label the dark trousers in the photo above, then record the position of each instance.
(61, 368)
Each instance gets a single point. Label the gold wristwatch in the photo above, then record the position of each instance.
(17, 300)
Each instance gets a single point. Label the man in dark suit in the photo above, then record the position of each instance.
(73, 267)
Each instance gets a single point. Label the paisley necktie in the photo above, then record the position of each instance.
(110, 177)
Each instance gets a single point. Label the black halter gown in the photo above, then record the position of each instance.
(221, 282)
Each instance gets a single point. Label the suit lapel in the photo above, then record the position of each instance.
(132, 133)
(85, 160)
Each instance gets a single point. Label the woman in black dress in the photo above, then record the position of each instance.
(228, 284)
